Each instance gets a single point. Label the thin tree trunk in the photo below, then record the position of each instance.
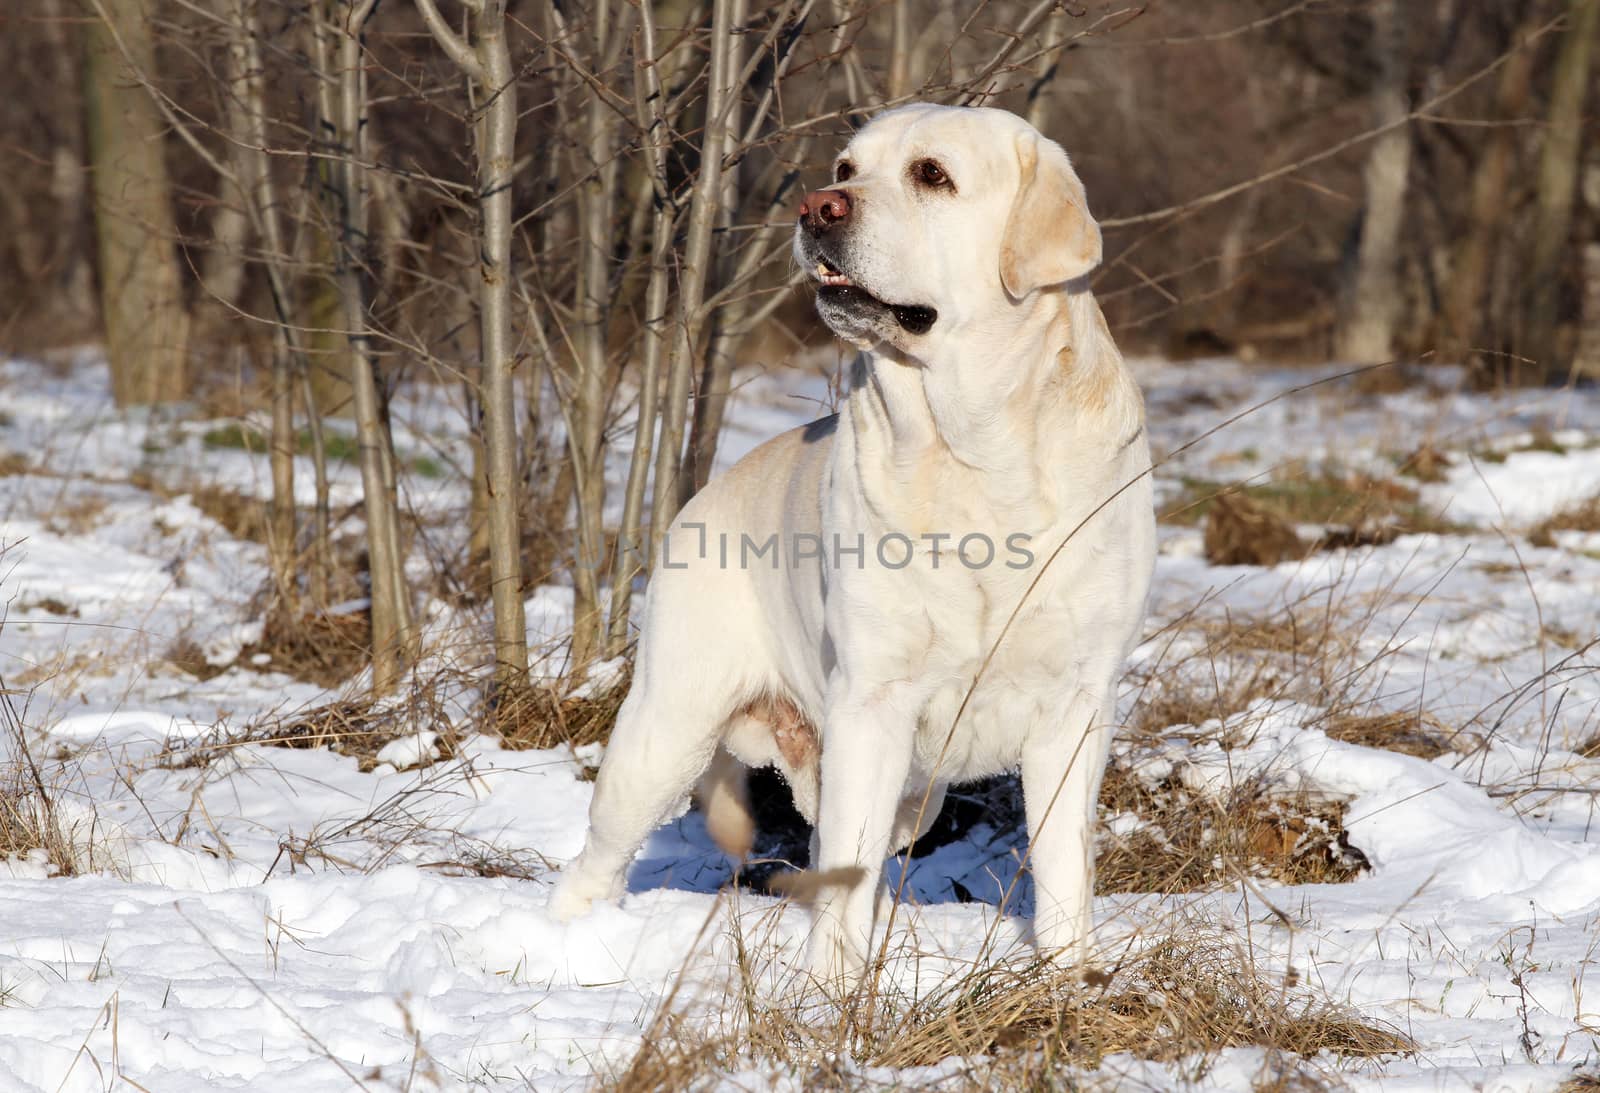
(259, 206)
(487, 62)
(586, 418)
(717, 373)
(141, 297)
(1586, 356)
(1372, 304)
(328, 349)
(321, 517)
(595, 207)
(478, 499)
(1558, 177)
(222, 268)
(392, 640)
(1462, 317)
(1041, 99)
(668, 497)
(70, 265)
(632, 552)
(900, 50)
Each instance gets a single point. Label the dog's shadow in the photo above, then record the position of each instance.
(971, 853)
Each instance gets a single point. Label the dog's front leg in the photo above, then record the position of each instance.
(1061, 770)
(867, 743)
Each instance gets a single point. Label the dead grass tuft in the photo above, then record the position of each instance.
(1426, 464)
(1409, 733)
(356, 727)
(315, 646)
(544, 716)
(186, 655)
(31, 828)
(30, 824)
(1584, 516)
(1180, 1000)
(1293, 653)
(1240, 531)
(240, 516)
(1188, 841)
(77, 515)
(1257, 524)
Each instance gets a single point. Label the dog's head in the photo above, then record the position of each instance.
(940, 218)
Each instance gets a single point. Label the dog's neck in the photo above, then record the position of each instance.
(1047, 391)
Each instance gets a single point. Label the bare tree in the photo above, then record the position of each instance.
(72, 287)
(393, 637)
(141, 295)
(650, 110)
(597, 168)
(1372, 304)
(1460, 318)
(487, 63)
(247, 108)
(671, 490)
(1586, 356)
(1558, 178)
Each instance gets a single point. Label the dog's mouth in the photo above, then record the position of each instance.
(834, 286)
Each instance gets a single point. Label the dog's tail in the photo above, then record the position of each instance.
(724, 794)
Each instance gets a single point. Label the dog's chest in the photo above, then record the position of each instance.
(953, 617)
(1024, 673)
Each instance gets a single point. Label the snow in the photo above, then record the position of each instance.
(246, 916)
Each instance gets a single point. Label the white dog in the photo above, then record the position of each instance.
(827, 604)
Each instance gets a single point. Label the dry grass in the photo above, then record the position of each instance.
(1181, 1000)
(77, 515)
(355, 727)
(1191, 842)
(1240, 531)
(1312, 652)
(240, 516)
(314, 646)
(534, 716)
(546, 716)
(1584, 516)
(1300, 651)
(1426, 464)
(1409, 733)
(1256, 524)
(186, 655)
(1186, 841)
(30, 823)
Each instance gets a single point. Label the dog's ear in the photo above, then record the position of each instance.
(1050, 236)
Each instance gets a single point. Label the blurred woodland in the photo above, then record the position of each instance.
(579, 212)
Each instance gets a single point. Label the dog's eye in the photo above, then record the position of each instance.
(930, 174)
(843, 171)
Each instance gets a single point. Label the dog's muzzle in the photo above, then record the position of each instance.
(846, 307)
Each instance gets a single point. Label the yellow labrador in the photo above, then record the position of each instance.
(826, 605)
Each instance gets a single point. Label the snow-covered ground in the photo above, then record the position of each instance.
(246, 916)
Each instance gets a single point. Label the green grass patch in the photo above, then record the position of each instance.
(234, 436)
(425, 466)
(1322, 498)
(337, 446)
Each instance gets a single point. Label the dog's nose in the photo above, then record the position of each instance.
(822, 209)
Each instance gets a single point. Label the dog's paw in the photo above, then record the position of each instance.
(574, 894)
